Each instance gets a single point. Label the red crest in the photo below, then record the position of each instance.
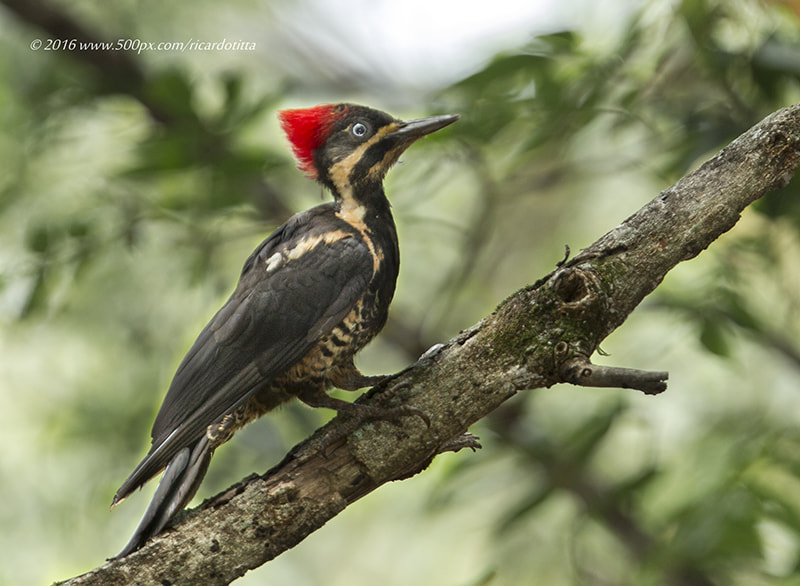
(307, 129)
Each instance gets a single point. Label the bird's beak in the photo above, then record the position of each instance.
(403, 135)
(414, 129)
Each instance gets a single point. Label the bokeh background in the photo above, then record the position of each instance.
(133, 186)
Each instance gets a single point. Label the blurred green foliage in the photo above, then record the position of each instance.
(127, 208)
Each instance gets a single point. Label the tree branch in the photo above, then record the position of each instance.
(536, 338)
(579, 371)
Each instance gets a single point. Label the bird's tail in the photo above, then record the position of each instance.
(178, 485)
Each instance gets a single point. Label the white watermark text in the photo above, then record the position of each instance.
(138, 46)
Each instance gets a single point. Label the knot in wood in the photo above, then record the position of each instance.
(575, 287)
(561, 350)
(575, 369)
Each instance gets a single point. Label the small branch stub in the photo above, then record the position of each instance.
(579, 371)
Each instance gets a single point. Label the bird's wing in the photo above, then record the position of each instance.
(293, 290)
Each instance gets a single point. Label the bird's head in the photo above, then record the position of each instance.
(341, 145)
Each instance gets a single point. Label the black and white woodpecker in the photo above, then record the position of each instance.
(312, 295)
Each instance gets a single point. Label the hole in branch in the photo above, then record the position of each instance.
(571, 287)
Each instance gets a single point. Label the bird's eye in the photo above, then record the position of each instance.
(359, 129)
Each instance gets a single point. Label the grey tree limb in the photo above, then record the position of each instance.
(541, 335)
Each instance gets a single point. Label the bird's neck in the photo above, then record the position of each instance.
(364, 204)
(366, 208)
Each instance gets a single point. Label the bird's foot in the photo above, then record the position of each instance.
(465, 440)
(356, 414)
(361, 413)
(362, 381)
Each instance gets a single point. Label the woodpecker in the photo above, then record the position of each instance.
(309, 297)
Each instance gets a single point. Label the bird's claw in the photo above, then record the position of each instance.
(465, 440)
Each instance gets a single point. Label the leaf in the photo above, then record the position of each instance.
(714, 338)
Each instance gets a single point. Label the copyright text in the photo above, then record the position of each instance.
(138, 46)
